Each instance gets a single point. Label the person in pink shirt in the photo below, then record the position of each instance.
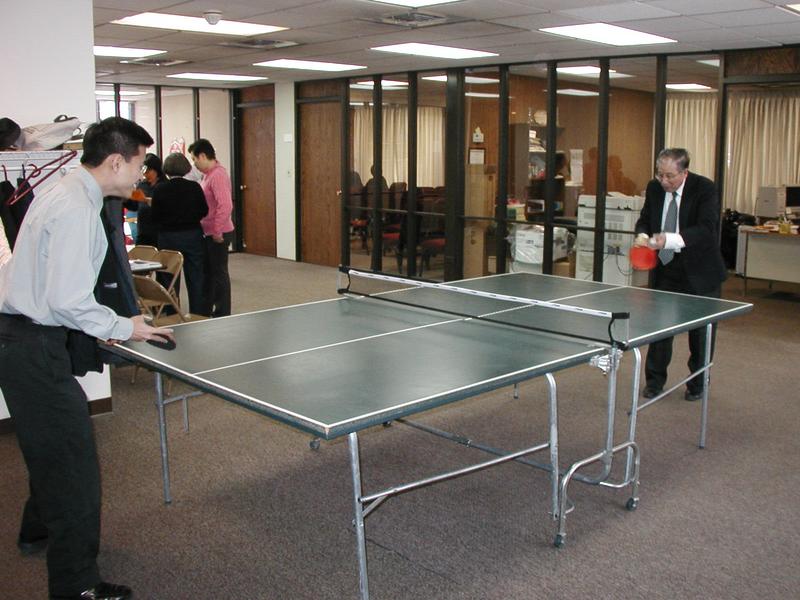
(217, 228)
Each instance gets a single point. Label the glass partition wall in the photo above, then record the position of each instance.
(574, 162)
(482, 141)
(629, 163)
(388, 232)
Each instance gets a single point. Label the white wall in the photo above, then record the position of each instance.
(54, 75)
(176, 118)
(215, 123)
(285, 213)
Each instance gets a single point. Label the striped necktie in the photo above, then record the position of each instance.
(670, 225)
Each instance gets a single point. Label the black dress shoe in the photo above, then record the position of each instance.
(650, 392)
(29, 548)
(102, 591)
(693, 396)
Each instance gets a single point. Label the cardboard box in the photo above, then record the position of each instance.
(527, 243)
(475, 254)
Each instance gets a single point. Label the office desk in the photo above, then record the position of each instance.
(768, 255)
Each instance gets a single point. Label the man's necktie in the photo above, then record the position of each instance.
(670, 225)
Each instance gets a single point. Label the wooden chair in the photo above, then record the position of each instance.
(143, 253)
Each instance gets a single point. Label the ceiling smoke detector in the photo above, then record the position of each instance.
(212, 16)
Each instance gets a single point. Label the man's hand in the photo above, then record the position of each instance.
(143, 332)
(641, 240)
(658, 241)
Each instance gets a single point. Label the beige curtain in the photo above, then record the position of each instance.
(691, 123)
(430, 144)
(763, 133)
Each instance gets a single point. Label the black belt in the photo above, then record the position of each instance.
(18, 317)
(26, 320)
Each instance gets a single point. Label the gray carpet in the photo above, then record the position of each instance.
(258, 515)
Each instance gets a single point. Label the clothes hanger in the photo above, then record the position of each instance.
(56, 165)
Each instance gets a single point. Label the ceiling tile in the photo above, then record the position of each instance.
(693, 7)
(743, 18)
(671, 25)
(623, 11)
(476, 9)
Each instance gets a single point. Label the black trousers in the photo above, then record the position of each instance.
(672, 278)
(217, 279)
(51, 418)
(188, 242)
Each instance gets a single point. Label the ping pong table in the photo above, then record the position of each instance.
(459, 340)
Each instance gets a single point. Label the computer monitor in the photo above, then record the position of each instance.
(793, 198)
(774, 200)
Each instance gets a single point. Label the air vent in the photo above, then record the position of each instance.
(414, 18)
(154, 62)
(259, 44)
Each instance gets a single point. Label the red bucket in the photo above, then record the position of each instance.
(643, 258)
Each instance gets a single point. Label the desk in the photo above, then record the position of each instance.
(143, 267)
(769, 255)
(335, 368)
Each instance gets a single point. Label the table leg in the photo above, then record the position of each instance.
(706, 381)
(554, 470)
(637, 371)
(358, 511)
(162, 433)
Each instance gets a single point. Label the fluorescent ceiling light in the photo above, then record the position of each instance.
(467, 79)
(121, 93)
(416, 3)
(118, 52)
(216, 77)
(687, 87)
(385, 83)
(608, 34)
(197, 24)
(576, 92)
(433, 50)
(711, 62)
(481, 95)
(794, 7)
(589, 71)
(307, 65)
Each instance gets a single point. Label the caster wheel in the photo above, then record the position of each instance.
(314, 444)
(387, 423)
(559, 541)
(632, 504)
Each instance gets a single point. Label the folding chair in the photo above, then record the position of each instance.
(143, 253)
(172, 262)
(153, 298)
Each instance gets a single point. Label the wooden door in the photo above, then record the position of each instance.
(257, 114)
(320, 182)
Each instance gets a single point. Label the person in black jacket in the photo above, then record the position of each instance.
(138, 207)
(177, 207)
(689, 260)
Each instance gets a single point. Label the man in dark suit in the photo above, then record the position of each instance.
(681, 219)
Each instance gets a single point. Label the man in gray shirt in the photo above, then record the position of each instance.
(45, 290)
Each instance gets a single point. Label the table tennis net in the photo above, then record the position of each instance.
(556, 317)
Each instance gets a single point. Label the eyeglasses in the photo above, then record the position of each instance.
(669, 176)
